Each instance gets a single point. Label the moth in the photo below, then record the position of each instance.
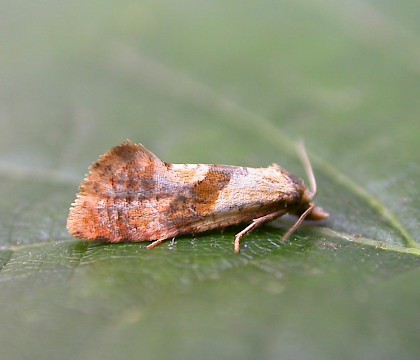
(129, 194)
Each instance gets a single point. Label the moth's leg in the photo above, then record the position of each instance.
(155, 243)
(297, 223)
(256, 223)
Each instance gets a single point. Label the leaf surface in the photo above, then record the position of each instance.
(226, 83)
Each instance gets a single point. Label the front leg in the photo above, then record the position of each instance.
(156, 243)
(256, 223)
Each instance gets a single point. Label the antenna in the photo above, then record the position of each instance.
(307, 165)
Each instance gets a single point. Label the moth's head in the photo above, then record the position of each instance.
(316, 213)
(305, 207)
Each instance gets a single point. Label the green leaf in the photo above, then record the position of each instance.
(212, 82)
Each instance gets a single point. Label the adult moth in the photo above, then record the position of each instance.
(130, 194)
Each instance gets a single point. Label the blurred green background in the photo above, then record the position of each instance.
(233, 82)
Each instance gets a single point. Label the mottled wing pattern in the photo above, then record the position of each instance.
(120, 196)
(130, 194)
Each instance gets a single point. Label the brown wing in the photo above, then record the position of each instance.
(124, 197)
(130, 194)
